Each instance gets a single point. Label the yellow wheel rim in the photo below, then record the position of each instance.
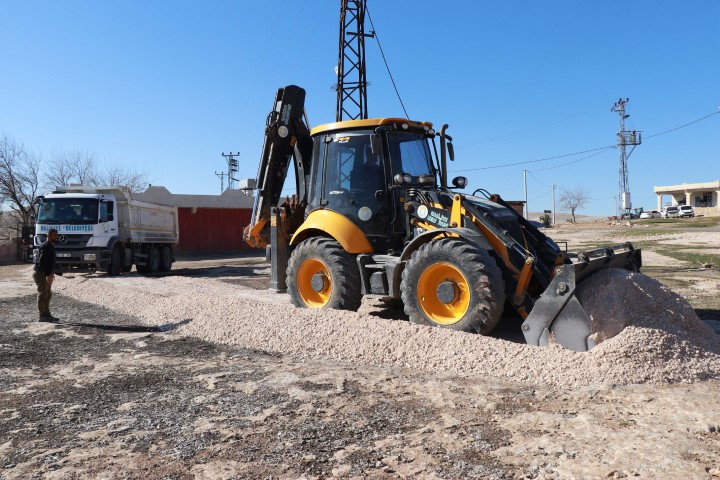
(427, 293)
(307, 270)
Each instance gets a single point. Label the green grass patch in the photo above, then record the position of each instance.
(694, 258)
(694, 222)
(645, 232)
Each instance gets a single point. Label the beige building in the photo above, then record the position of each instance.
(702, 196)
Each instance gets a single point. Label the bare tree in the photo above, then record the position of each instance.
(574, 199)
(125, 177)
(19, 178)
(82, 167)
(77, 166)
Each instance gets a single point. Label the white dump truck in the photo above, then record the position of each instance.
(106, 229)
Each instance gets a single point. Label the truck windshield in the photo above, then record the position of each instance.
(410, 153)
(68, 210)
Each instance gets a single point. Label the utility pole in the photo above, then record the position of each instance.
(616, 205)
(352, 81)
(222, 180)
(527, 212)
(625, 138)
(553, 200)
(233, 166)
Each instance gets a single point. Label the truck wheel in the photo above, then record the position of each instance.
(115, 262)
(321, 274)
(453, 284)
(166, 258)
(153, 260)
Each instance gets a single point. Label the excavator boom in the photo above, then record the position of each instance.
(286, 136)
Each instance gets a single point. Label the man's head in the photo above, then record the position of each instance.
(53, 235)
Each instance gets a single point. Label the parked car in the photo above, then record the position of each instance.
(628, 216)
(670, 212)
(650, 214)
(686, 211)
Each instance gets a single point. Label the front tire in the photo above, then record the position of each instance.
(453, 284)
(321, 274)
(115, 262)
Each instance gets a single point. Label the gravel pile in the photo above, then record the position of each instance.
(664, 342)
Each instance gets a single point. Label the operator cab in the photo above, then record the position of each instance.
(354, 172)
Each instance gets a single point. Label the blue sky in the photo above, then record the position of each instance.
(167, 86)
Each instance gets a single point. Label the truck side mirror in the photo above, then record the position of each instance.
(451, 151)
(109, 217)
(376, 144)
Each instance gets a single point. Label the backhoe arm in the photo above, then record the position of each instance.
(286, 135)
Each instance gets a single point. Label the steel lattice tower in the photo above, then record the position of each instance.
(352, 82)
(625, 138)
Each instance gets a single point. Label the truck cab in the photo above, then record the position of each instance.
(87, 226)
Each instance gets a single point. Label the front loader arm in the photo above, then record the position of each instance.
(286, 136)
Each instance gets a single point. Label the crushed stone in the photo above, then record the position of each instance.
(664, 341)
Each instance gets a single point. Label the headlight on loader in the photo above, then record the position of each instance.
(459, 182)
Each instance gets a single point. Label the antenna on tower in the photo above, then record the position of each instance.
(626, 138)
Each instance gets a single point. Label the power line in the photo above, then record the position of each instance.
(574, 161)
(599, 150)
(377, 39)
(536, 179)
(533, 161)
(540, 196)
(546, 124)
(682, 126)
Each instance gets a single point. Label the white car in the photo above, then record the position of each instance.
(686, 211)
(670, 212)
(650, 214)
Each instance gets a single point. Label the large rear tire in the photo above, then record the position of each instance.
(153, 260)
(166, 258)
(321, 274)
(453, 284)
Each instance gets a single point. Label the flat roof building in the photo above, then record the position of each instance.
(702, 196)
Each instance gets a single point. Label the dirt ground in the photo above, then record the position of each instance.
(104, 395)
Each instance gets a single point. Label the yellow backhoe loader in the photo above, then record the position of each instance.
(374, 214)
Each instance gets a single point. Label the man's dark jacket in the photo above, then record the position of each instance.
(46, 258)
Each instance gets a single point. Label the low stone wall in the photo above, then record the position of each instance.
(707, 211)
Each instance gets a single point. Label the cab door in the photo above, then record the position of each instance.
(344, 180)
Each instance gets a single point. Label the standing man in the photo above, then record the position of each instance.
(44, 276)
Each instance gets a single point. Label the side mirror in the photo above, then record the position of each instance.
(376, 144)
(451, 151)
(110, 217)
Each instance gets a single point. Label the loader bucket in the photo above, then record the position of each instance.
(559, 314)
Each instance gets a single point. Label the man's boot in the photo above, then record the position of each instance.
(46, 317)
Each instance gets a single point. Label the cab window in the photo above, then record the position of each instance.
(410, 153)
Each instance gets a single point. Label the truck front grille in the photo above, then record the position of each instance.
(72, 242)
